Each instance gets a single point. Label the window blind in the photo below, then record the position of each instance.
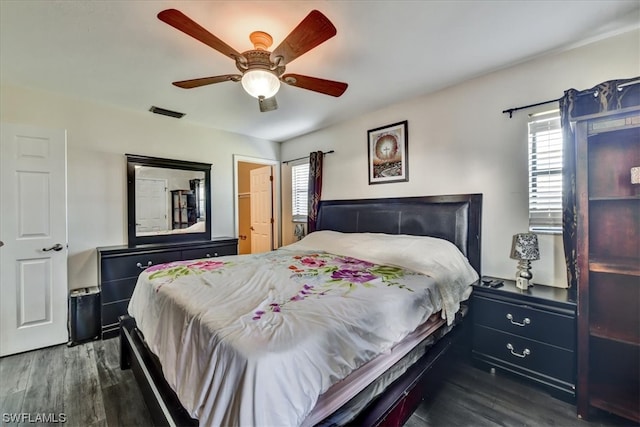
(545, 172)
(299, 191)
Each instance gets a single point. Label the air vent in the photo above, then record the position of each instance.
(166, 112)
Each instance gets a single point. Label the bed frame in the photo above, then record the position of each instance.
(456, 218)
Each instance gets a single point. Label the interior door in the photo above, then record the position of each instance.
(33, 228)
(244, 224)
(261, 189)
(151, 205)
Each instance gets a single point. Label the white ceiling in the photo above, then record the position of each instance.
(118, 52)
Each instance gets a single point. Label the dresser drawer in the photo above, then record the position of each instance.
(528, 322)
(117, 290)
(121, 267)
(209, 252)
(111, 312)
(523, 353)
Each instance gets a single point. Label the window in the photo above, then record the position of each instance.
(545, 172)
(202, 200)
(299, 191)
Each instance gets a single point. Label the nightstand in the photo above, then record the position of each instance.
(531, 334)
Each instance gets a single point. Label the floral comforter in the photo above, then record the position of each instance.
(255, 339)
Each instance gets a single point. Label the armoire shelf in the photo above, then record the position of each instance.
(608, 206)
(611, 198)
(627, 266)
(607, 334)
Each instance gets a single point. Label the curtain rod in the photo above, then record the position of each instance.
(306, 157)
(586, 92)
(512, 110)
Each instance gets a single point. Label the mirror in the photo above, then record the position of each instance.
(168, 200)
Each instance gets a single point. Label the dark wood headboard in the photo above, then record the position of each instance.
(456, 218)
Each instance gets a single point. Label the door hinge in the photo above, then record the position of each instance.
(271, 178)
(272, 221)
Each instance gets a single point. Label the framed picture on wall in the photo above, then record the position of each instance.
(388, 150)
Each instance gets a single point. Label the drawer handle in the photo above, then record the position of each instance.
(143, 267)
(524, 354)
(215, 254)
(526, 320)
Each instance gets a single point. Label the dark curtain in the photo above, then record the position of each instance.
(315, 189)
(606, 96)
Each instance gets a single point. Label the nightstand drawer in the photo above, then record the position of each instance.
(520, 353)
(520, 319)
(210, 252)
(121, 267)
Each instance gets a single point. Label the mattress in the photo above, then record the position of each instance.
(257, 339)
(331, 406)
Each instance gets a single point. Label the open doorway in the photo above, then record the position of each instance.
(255, 198)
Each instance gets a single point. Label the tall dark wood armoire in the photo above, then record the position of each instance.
(608, 209)
(183, 208)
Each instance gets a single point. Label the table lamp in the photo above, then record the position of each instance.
(524, 248)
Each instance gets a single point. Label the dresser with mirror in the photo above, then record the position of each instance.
(160, 228)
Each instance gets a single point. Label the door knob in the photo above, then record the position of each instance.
(1, 243)
(57, 247)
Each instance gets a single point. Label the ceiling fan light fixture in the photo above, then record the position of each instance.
(261, 70)
(260, 83)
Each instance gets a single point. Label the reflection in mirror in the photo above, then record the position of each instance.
(168, 200)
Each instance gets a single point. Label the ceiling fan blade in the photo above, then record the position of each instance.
(182, 22)
(190, 84)
(328, 87)
(267, 104)
(312, 31)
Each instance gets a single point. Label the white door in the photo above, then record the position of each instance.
(261, 213)
(151, 205)
(33, 228)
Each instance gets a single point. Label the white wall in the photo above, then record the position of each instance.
(98, 136)
(460, 142)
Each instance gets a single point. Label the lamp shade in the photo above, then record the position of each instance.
(525, 247)
(260, 83)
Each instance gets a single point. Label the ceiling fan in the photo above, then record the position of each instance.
(262, 70)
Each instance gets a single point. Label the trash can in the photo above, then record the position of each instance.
(84, 315)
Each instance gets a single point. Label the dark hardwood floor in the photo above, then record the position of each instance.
(476, 398)
(85, 384)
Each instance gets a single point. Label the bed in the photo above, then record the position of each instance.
(198, 227)
(346, 225)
